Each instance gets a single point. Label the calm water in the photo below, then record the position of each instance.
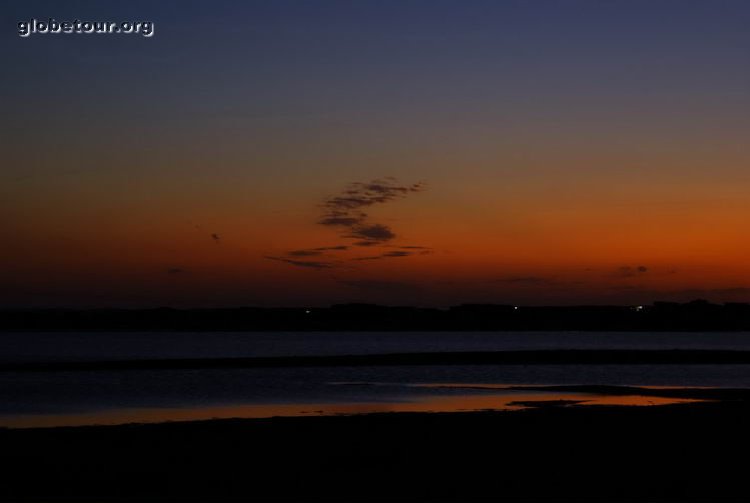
(49, 346)
(86, 397)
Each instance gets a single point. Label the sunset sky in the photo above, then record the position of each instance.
(401, 152)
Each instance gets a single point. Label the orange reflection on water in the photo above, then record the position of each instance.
(454, 403)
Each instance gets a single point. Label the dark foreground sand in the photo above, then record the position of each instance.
(688, 452)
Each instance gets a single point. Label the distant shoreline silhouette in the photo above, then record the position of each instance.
(698, 315)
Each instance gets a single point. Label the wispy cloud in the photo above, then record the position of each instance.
(389, 254)
(314, 252)
(346, 209)
(343, 220)
(305, 253)
(397, 254)
(375, 234)
(332, 248)
(361, 195)
(310, 264)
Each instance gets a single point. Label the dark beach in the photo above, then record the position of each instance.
(685, 452)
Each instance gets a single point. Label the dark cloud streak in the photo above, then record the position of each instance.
(345, 210)
(305, 253)
(310, 264)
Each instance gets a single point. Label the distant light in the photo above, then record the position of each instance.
(515, 307)
(307, 311)
(639, 308)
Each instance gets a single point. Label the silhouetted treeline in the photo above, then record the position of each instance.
(665, 316)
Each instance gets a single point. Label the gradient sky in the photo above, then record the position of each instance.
(529, 152)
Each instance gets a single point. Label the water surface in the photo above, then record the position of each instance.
(111, 397)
